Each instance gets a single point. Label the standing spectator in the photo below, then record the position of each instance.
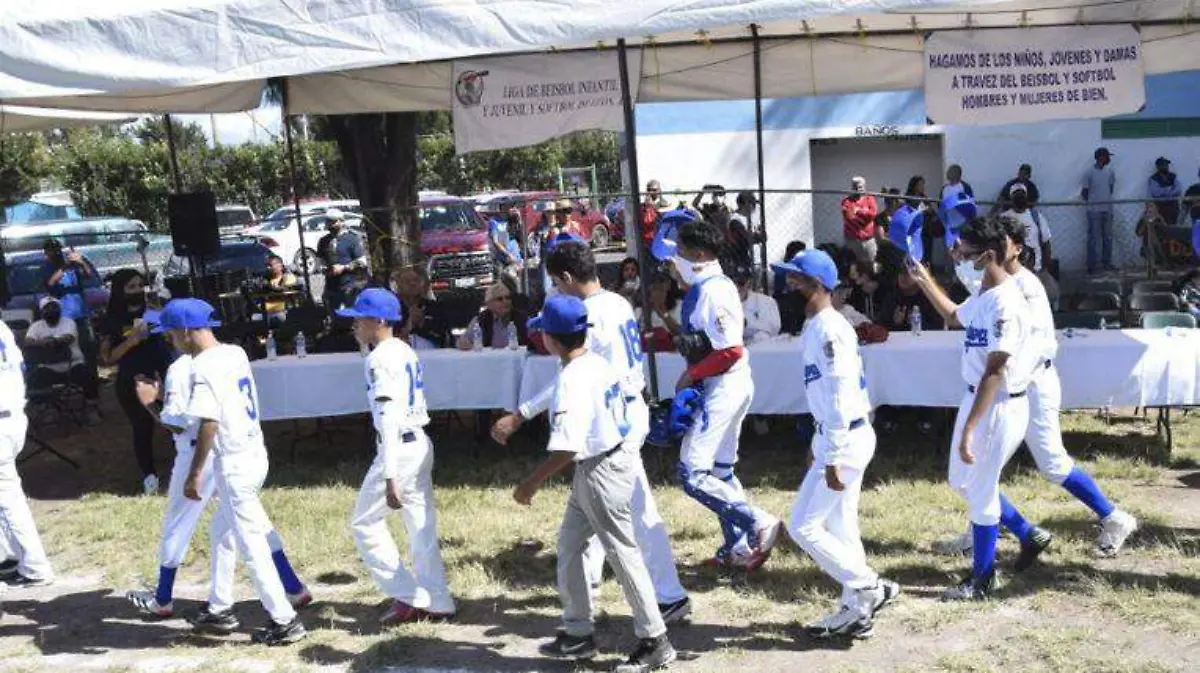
(1098, 184)
(128, 345)
(762, 313)
(741, 240)
(53, 330)
(629, 280)
(655, 198)
(345, 260)
(1164, 190)
(1025, 179)
(858, 220)
(653, 206)
(955, 184)
(63, 275)
(1038, 230)
(714, 211)
(501, 236)
(1151, 230)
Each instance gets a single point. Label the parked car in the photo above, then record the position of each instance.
(454, 238)
(232, 219)
(110, 243)
(26, 285)
(235, 254)
(591, 224)
(283, 238)
(281, 217)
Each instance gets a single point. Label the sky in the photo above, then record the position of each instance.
(255, 126)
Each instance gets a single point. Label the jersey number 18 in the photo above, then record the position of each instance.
(633, 343)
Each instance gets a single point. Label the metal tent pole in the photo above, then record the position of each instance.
(633, 211)
(291, 152)
(758, 138)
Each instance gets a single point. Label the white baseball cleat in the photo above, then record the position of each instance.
(1114, 530)
(150, 485)
(846, 621)
(147, 604)
(959, 545)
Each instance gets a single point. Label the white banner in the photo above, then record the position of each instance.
(1021, 75)
(516, 101)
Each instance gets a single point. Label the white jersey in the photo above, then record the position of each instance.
(587, 415)
(395, 385)
(1035, 234)
(762, 316)
(177, 397)
(614, 335)
(717, 312)
(12, 373)
(997, 320)
(834, 379)
(1041, 316)
(223, 390)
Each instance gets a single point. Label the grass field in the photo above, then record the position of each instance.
(1137, 612)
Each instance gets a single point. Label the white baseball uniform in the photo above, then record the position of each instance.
(589, 420)
(614, 335)
(824, 522)
(996, 320)
(223, 390)
(16, 519)
(1044, 436)
(396, 394)
(709, 450)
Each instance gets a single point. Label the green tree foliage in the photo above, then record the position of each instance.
(24, 163)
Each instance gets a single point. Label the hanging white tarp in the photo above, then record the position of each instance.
(17, 119)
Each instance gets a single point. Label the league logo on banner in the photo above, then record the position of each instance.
(1022, 75)
(514, 101)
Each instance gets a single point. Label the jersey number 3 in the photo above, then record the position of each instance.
(633, 343)
(247, 388)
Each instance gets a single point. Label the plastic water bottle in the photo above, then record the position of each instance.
(301, 346)
(1103, 324)
(476, 337)
(272, 351)
(512, 336)
(914, 321)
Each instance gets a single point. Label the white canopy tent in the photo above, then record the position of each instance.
(347, 57)
(16, 119)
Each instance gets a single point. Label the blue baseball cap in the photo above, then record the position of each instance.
(815, 263)
(377, 303)
(564, 237)
(562, 314)
(189, 313)
(153, 320)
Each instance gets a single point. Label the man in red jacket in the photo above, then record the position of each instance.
(858, 220)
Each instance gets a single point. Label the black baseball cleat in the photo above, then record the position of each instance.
(972, 589)
(569, 647)
(8, 567)
(275, 634)
(676, 611)
(27, 582)
(1039, 541)
(650, 654)
(219, 623)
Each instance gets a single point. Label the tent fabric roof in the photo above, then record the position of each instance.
(346, 57)
(15, 119)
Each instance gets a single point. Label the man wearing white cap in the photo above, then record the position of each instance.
(52, 331)
(345, 258)
(858, 220)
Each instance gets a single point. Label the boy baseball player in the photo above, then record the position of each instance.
(1044, 436)
(997, 365)
(22, 542)
(402, 475)
(225, 404)
(615, 336)
(824, 519)
(168, 403)
(587, 429)
(712, 324)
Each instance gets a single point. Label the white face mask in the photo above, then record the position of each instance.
(686, 270)
(969, 276)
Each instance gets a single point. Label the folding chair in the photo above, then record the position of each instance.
(1105, 304)
(1149, 303)
(1078, 320)
(1102, 287)
(1151, 286)
(1164, 319)
(51, 397)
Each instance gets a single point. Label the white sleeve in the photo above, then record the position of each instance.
(1005, 327)
(176, 396)
(38, 330)
(538, 404)
(572, 421)
(844, 380)
(768, 313)
(720, 312)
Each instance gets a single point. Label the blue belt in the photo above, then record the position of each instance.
(971, 389)
(1048, 364)
(854, 425)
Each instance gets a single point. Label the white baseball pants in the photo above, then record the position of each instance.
(996, 439)
(16, 520)
(240, 511)
(648, 527)
(183, 515)
(824, 522)
(1044, 436)
(425, 587)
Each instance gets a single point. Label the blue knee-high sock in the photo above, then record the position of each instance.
(291, 583)
(1011, 519)
(984, 550)
(1081, 485)
(166, 585)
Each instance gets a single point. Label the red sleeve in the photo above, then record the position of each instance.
(715, 363)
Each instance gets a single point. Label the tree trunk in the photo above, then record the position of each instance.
(379, 152)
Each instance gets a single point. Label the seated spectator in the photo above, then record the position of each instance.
(279, 278)
(779, 281)
(629, 281)
(761, 312)
(665, 315)
(426, 318)
(839, 297)
(1187, 289)
(872, 296)
(53, 330)
(494, 319)
(908, 296)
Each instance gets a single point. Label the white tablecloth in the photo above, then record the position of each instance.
(332, 384)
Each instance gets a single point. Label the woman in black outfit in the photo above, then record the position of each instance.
(127, 344)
